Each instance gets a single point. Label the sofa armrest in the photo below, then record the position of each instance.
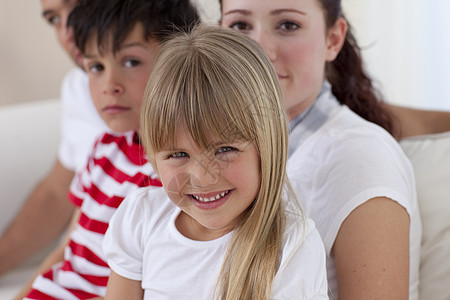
(430, 157)
(30, 136)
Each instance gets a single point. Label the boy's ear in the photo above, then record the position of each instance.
(336, 38)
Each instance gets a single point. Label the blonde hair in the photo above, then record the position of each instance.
(215, 80)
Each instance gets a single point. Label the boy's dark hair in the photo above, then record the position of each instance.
(110, 21)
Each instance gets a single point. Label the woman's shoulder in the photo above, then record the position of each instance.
(348, 135)
(350, 154)
(346, 122)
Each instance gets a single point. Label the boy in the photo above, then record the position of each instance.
(119, 41)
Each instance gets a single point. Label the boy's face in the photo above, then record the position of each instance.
(56, 13)
(117, 81)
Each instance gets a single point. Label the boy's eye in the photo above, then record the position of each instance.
(240, 26)
(289, 26)
(178, 155)
(95, 68)
(130, 63)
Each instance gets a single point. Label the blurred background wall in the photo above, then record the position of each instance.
(405, 44)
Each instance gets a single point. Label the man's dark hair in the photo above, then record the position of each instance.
(110, 21)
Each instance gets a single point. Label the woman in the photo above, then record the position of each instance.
(355, 181)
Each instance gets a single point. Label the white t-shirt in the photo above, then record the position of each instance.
(80, 123)
(346, 162)
(142, 243)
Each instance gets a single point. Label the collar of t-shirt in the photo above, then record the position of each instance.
(305, 124)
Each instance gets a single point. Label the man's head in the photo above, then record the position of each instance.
(56, 12)
(119, 40)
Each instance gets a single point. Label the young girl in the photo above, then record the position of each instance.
(355, 181)
(214, 128)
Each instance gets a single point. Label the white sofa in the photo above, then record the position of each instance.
(430, 156)
(30, 135)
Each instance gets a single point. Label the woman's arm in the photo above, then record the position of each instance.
(123, 288)
(371, 252)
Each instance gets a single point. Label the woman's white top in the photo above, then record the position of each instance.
(343, 164)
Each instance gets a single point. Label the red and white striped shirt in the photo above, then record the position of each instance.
(117, 166)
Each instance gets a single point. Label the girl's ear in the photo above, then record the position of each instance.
(335, 38)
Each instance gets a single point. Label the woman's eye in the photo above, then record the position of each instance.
(178, 155)
(240, 26)
(289, 26)
(130, 63)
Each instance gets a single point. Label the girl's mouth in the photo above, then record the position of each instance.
(210, 198)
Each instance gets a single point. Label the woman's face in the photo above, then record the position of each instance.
(295, 38)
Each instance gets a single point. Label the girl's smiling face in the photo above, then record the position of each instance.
(214, 187)
(295, 38)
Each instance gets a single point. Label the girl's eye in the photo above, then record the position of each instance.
(225, 153)
(178, 155)
(130, 63)
(289, 26)
(240, 26)
(226, 149)
(95, 68)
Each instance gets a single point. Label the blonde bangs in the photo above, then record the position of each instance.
(201, 93)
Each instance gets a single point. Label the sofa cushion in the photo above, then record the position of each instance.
(430, 157)
(30, 136)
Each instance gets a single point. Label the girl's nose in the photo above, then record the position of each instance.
(204, 171)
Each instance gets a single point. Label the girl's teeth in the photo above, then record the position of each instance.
(217, 197)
